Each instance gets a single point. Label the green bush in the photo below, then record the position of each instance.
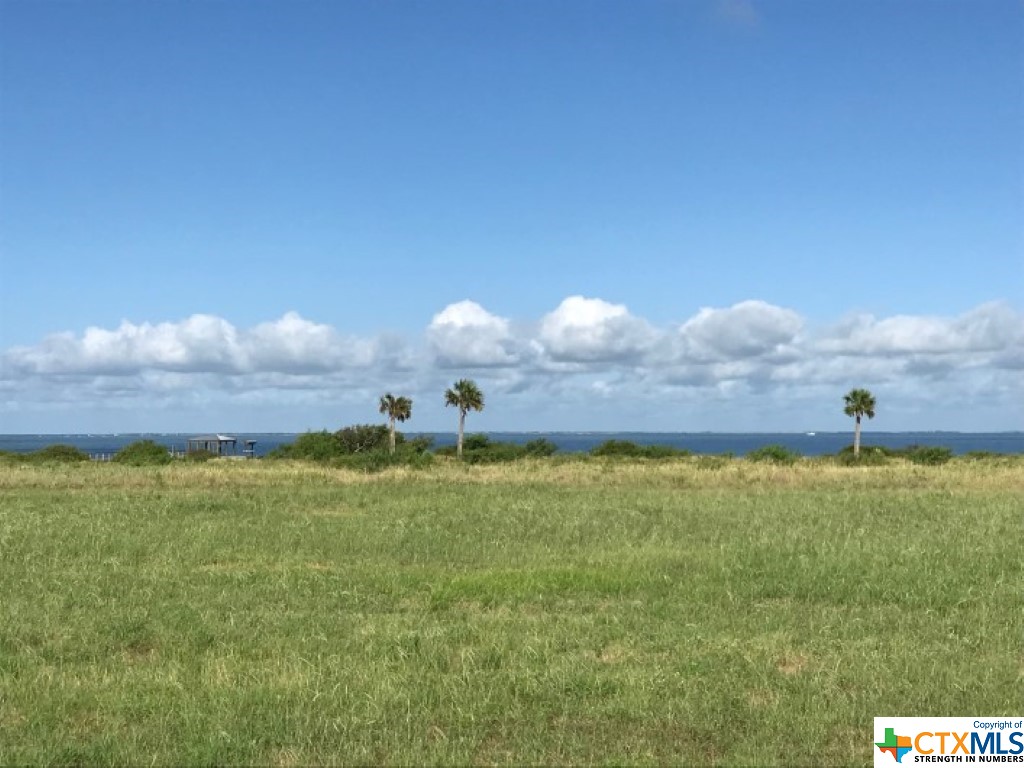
(416, 445)
(616, 448)
(774, 454)
(311, 446)
(662, 452)
(362, 438)
(932, 455)
(60, 453)
(480, 449)
(879, 450)
(143, 453)
(878, 454)
(540, 447)
(869, 457)
(416, 459)
(494, 453)
(476, 442)
(362, 446)
(283, 451)
(629, 449)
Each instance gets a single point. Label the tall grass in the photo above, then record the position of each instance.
(539, 612)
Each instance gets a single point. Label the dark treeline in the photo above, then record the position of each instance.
(368, 447)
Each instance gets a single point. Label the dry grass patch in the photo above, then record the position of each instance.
(792, 664)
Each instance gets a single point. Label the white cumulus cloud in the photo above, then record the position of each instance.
(583, 330)
(294, 344)
(745, 330)
(465, 334)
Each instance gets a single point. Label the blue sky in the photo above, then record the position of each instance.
(701, 215)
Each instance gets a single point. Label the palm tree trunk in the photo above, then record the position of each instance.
(391, 437)
(856, 437)
(462, 423)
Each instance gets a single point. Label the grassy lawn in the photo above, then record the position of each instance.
(584, 612)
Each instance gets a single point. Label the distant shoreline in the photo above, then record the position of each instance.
(736, 443)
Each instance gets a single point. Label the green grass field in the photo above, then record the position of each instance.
(574, 612)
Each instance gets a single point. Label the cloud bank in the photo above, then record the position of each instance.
(586, 353)
(198, 344)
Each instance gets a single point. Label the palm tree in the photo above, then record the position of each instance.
(397, 409)
(466, 396)
(859, 402)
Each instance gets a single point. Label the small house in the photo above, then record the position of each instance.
(218, 445)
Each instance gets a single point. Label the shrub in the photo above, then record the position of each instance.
(476, 442)
(60, 453)
(616, 448)
(480, 449)
(540, 447)
(878, 450)
(417, 445)
(362, 446)
(627, 448)
(312, 446)
(415, 459)
(773, 454)
(495, 453)
(143, 453)
(869, 457)
(932, 455)
(360, 438)
(492, 454)
(662, 452)
(283, 451)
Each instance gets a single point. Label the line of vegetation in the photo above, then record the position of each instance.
(52, 454)
(875, 455)
(373, 447)
(774, 454)
(480, 449)
(629, 449)
(367, 447)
